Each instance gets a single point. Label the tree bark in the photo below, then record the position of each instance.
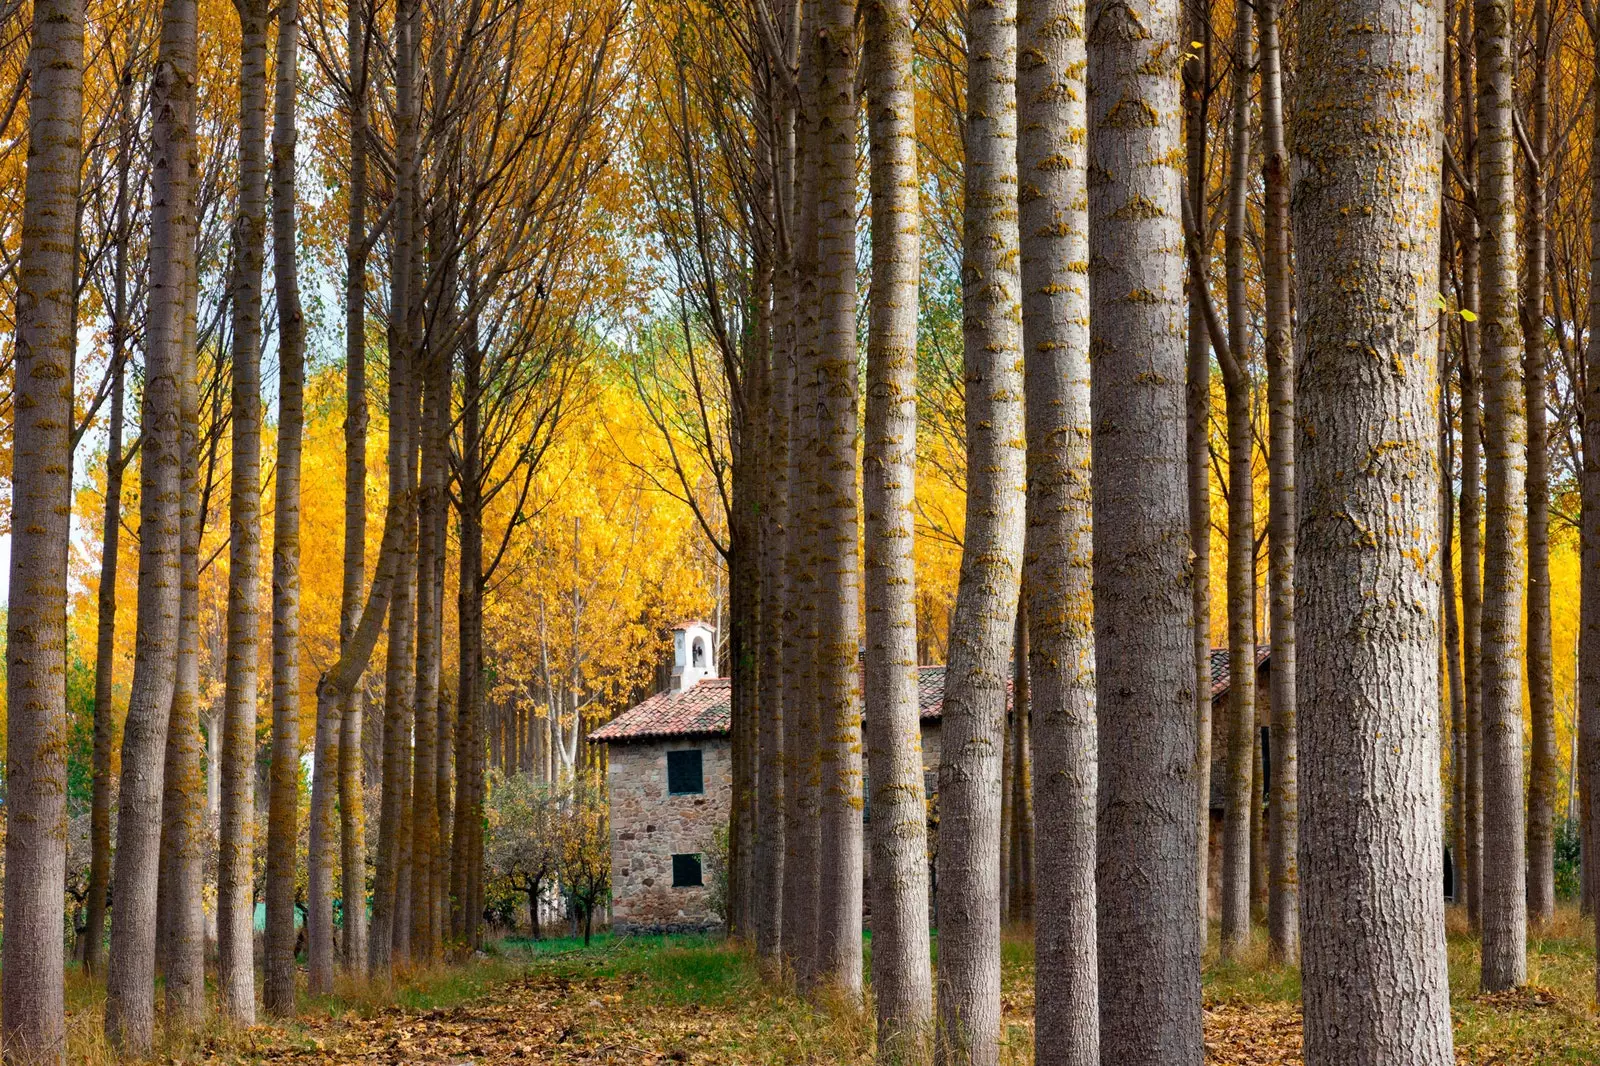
(423, 819)
(398, 675)
(1196, 105)
(1505, 906)
(284, 795)
(183, 817)
(1374, 973)
(1143, 596)
(1471, 482)
(130, 976)
(981, 626)
(771, 758)
(31, 997)
(236, 874)
(106, 621)
(469, 614)
(1542, 776)
(902, 979)
(352, 813)
(802, 834)
(1058, 585)
(838, 679)
(1283, 906)
(1241, 799)
(1589, 639)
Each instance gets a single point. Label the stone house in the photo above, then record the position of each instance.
(670, 779)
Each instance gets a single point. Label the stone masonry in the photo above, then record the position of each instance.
(649, 826)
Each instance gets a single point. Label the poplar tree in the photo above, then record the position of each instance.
(1197, 88)
(1505, 905)
(838, 677)
(902, 980)
(236, 863)
(974, 712)
(1283, 916)
(352, 798)
(182, 939)
(1536, 358)
(1058, 581)
(1241, 798)
(1374, 979)
(130, 975)
(31, 996)
(284, 793)
(1589, 636)
(1149, 940)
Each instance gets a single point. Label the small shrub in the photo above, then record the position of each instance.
(1569, 863)
(716, 854)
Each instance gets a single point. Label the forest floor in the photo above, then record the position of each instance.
(688, 1000)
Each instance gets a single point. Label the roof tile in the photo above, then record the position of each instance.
(705, 710)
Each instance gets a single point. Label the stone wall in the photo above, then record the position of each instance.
(649, 826)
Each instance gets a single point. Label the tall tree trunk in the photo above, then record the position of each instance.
(1375, 983)
(352, 799)
(1241, 799)
(445, 779)
(767, 898)
(31, 997)
(236, 873)
(106, 622)
(1143, 598)
(423, 818)
(1505, 904)
(1589, 639)
(469, 615)
(183, 817)
(1283, 906)
(1258, 817)
(284, 795)
(1058, 563)
(398, 666)
(838, 679)
(902, 979)
(1471, 481)
(1541, 685)
(802, 830)
(1196, 101)
(130, 976)
(974, 714)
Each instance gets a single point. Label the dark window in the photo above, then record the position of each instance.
(683, 774)
(686, 870)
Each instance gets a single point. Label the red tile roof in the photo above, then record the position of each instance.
(700, 710)
(705, 710)
(1220, 679)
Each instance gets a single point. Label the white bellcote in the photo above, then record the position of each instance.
(694, 655)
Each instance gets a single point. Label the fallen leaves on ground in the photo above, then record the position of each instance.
(562, 1020)
(534, 1019)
